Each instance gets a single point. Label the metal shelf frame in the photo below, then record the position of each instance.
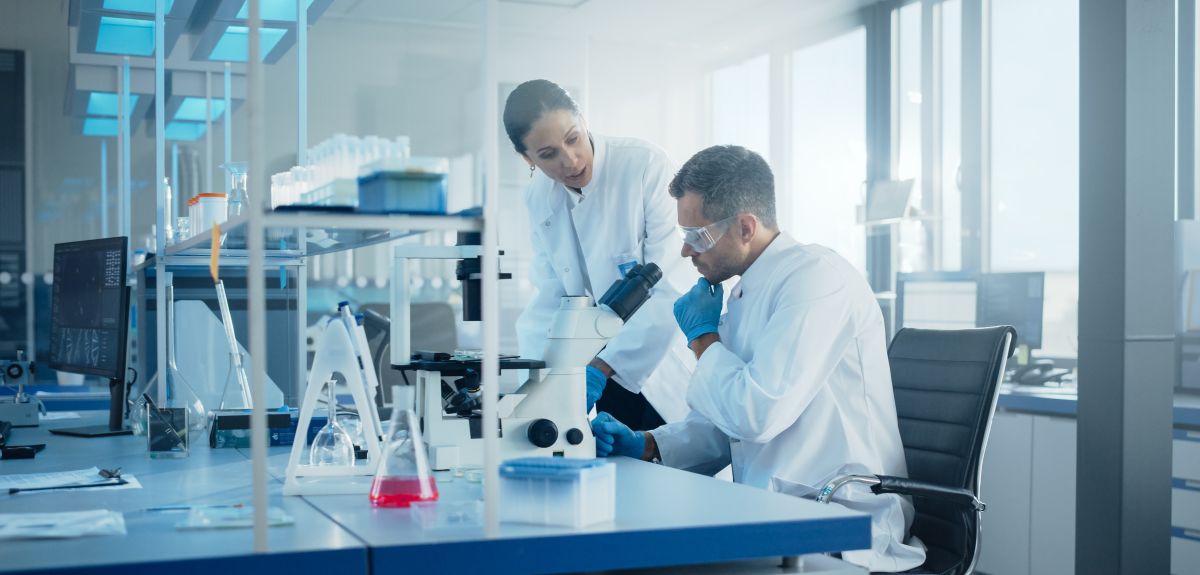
(255, 256)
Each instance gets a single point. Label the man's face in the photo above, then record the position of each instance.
(723, 260)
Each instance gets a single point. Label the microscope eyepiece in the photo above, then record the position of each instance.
(628, 294)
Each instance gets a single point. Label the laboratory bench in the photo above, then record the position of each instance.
(1028, 483)
(152, 542)
(664, 517)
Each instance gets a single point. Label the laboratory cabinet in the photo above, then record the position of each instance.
(1185, 502)
(1028, 484)
(1185, 556)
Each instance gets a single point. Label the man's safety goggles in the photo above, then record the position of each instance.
(703, 238)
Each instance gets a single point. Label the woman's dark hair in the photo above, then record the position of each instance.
(528, 102)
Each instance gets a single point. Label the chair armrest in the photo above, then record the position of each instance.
(905, 486)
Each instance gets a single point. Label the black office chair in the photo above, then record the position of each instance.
(946, 384)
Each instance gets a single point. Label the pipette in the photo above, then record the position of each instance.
(235, 352)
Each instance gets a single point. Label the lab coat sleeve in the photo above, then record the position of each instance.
(795, 356)
(694, 444)
(642, 344)
(533, 325)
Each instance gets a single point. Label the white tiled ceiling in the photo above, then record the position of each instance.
(433, 11)
(680, 22)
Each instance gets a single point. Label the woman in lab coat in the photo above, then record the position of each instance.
(598, 206)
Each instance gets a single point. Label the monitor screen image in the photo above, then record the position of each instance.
(1014, 299)
(89, 308)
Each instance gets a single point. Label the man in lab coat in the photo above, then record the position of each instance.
(792, 385)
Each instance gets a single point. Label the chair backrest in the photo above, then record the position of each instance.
(946, 383)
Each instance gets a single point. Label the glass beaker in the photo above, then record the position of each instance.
(332, 446)
(403, 476)
(239, 199)
(180, 393)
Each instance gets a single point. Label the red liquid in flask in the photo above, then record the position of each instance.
(401, 491)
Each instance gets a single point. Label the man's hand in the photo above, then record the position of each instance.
(699, 310)
(615, 438)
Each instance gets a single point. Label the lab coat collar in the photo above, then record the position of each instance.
(599, 153)
(559, 197)
(759, 272)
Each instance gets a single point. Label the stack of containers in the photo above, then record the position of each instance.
(408, 186)
(331, 176)
(206, 210)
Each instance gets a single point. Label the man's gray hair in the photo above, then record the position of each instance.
(731, 180)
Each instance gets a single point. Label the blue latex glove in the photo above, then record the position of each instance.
(615, 438)
(699, 310)
(595, 385)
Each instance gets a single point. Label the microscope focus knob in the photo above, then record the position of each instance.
(543, 433)
(574, 436)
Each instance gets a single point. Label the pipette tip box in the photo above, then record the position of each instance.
(557, 491)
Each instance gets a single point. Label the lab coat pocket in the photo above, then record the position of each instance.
(781, 485)
(624, 263)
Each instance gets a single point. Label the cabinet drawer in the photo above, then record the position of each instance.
(1186, 452)
(1185, 508)
(1185, 556)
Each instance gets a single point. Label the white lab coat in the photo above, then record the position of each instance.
(799, 391)
(625, 211)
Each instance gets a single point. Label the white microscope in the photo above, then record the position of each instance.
(546, 415)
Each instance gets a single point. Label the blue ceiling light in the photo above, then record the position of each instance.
(106, 104)
(185, 131)
(100, 127)
(142, 6)
(125, 36)
(192, 109)
(235, 43)
(284, 10)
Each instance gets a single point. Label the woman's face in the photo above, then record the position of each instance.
(558, 145)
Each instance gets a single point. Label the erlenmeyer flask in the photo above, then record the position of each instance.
(332, 446)
(403, 476)
(239, 199)
(179, 392)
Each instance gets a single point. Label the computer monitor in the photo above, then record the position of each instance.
(89, 320)
(1013, 299)
(935, 300)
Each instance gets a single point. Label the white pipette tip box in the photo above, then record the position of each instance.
(557, 491)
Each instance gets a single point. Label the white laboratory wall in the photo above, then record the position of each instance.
(421, 79)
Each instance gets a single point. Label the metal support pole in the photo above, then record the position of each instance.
(1186, 103)
(975, 135)
(30, 159)
(879, 140)
(172, 209)
(228, 121)
(490, 268)
(208, 139)
(255, 280)
(163, 209)
(104, 188)
(931, 130)
(301, 82)
(126, 157)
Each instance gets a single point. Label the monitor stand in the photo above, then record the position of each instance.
(116, 409)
